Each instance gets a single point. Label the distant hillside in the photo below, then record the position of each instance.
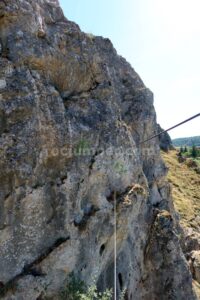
(188, 141)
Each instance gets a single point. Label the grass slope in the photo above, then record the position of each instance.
(186, 190)
(186, 195)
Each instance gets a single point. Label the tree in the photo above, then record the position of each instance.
(194, 151)
(181, 150)
(185, 149)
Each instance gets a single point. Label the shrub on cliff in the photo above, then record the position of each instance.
(77, 290)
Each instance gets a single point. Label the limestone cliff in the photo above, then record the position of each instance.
(73, 115)
(165, 140)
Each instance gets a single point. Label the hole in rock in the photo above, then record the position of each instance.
(112, 195)
(84, 267)
(110, 198)
(120, 281)
(102, 249)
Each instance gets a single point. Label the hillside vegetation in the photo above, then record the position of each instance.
(186, 196)
(188, 141)
(186, 190)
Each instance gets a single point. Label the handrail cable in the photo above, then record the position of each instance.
(190, 119)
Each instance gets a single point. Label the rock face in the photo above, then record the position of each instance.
(195, 265)
(73, 115)
(191, 248)
(165, 140)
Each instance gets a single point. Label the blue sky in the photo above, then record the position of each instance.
(161, 40)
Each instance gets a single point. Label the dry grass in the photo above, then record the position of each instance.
(186, 195)
(196, 287)
(186, 190)
(55, 68)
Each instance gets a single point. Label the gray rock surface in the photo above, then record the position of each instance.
(165, 140)
(73, 115)
(195, 265)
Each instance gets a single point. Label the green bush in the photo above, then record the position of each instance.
(77, 290)
(93, 294)
(73, 289)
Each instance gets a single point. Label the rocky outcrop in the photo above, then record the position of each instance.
(165, 140)
(191, 249)
(73, 116)
(195, 265)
